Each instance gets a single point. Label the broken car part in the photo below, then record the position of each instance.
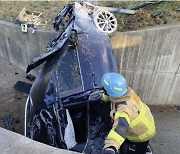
(30, 77)
(22, 86)
(8, 122)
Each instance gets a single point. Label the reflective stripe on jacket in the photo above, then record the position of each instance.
(139, 120)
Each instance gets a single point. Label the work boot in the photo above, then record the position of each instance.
(149, 150)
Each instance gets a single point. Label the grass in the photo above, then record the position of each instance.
(9, 10)
(163, 13)
(158, 14)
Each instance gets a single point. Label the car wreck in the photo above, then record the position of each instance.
(61, 110)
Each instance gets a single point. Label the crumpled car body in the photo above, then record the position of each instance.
(73, 67)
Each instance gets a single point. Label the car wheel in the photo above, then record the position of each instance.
(105, 21)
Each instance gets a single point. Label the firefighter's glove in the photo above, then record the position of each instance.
(110, 150)
(104, 97)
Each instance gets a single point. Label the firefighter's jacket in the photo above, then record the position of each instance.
(132, 120)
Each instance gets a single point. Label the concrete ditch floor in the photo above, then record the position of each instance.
(167, 138)
(12, 102)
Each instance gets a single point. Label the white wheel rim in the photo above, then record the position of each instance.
(106, 22)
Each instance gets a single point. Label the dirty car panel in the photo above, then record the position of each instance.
(74, 65)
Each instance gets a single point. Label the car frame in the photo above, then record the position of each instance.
(62, 92)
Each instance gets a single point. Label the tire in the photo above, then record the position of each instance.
(105, 21)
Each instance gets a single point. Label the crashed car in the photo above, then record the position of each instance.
(62, 109)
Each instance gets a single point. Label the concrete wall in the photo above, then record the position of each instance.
(149, 58)
(13, 143)
(21, 48)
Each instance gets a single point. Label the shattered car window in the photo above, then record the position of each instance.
(68, 71)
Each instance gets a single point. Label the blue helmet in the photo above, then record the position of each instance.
(114, 84)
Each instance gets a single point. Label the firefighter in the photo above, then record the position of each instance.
(133, 124)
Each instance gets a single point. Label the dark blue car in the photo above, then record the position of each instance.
(59, 107)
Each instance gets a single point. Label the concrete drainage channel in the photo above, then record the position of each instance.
(167, 118)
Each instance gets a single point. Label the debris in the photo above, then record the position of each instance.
(30, 77)
(25, 95)
(17, 121)
(19, 98)
(34, 28)
(29, 18)
(156, 13)
(8, 122)
(178, 108)
(24, 28)
(22, 86)
(177, 9)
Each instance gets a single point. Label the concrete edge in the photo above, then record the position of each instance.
(13, 143)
